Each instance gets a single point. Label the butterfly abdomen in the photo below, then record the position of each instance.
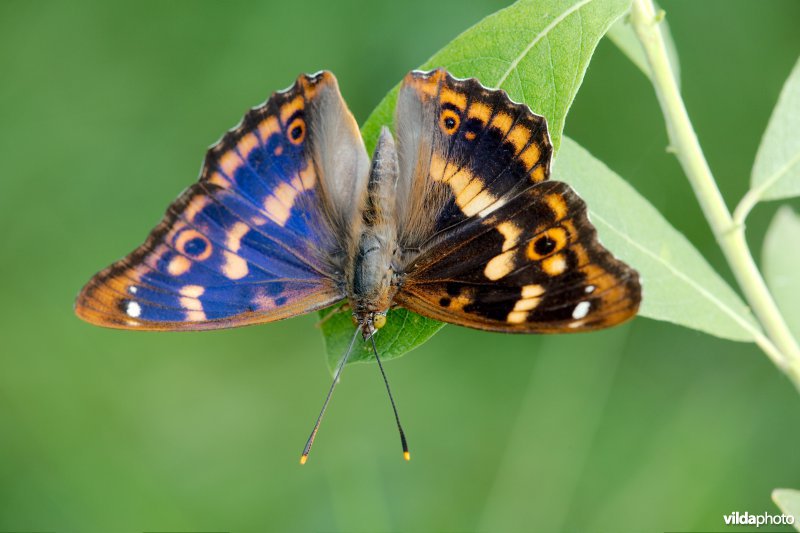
(372, 271)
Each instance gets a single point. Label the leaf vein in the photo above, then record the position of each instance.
(772, 180)
(538, 37)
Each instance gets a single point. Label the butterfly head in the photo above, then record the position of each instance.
(369, 323)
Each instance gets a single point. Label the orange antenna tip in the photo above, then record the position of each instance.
(303, 459)
(406, 456)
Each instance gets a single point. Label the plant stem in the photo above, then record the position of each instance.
(778, 343)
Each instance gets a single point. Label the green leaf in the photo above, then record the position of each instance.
(776, 172)
(780, 258)
(538, 51)
(403, 332)
(679, 285)
(623, 35)
(788, 500)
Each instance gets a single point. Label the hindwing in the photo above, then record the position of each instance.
(534, 265)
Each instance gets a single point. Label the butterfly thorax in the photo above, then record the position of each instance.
(372, 277)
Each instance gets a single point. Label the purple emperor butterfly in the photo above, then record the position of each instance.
(456, 221)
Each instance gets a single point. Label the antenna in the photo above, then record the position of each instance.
(310, 441)
(406, 455)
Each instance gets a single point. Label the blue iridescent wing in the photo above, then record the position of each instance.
(260, 237)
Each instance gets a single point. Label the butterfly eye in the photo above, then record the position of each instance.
(379, 321)
(449, 121)
(549, 242)
(297, 131)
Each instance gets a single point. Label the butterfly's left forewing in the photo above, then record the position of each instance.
(258, 238)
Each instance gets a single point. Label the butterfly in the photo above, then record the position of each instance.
(453, 218)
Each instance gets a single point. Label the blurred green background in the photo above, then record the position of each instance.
(105, 114)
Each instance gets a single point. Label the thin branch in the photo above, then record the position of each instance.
(729, 234)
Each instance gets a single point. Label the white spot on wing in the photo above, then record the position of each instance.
(279, 204)
(233, 238)
(554, 265)
(529, 291)
(589, 289)
(189, 300)
(511, 233)
(581, 310)
(192, 291)
(492, 208)
(235, 267)
(526, 304)
(499, 265)
(517, 317)
(133, 309)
